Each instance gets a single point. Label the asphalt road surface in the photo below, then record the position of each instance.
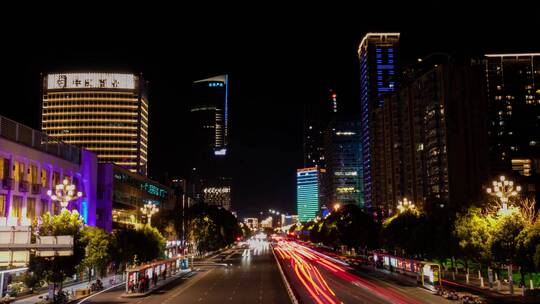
(253, 277)
(323, 280)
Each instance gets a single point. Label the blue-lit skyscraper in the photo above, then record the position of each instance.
(378, 53)
(308, 192)
(209, 109)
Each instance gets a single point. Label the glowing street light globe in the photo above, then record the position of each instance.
(64, 193)
(149, 210)
(405, 205)
(504, 190)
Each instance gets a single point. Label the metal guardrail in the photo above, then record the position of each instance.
(27, 136)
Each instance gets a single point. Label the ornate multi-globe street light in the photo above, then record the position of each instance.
(149, 210)
(64, 193)
(504, 190)
(405, 205)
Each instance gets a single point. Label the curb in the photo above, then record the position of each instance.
(81, 300)
(127, 296)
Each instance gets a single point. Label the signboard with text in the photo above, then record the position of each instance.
(90, 81)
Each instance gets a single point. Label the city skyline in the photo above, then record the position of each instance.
(274, 137)
(375, 152)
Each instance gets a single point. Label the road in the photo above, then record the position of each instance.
(253, 277)
(323, 280)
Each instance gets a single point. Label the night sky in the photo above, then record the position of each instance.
(278, 59)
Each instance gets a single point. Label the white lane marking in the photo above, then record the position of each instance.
(190, 283)
(91, 296)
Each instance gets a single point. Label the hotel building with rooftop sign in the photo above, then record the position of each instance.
(106, 113)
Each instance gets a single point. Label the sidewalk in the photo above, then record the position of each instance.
(160, 284)
(475, 282)
(71, 289)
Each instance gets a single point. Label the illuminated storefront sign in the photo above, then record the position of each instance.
(154, 190)
(216, 190)
(345, 189)
(346, 173)
(90, 81)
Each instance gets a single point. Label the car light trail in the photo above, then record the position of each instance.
(304, 261)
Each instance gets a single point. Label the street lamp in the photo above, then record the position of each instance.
(337, 206)
(149, 210)
(64, 193)
(503, 189)
(405, 205)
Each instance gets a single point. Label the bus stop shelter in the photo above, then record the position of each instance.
(162, 269)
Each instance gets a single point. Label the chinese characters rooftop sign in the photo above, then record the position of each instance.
(90, 81)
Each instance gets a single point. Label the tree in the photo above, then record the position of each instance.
(98, 249)
(306, 231)
(169, 221)
(246, 232)
(144, 245)
(327, 233)
(505, 236)
(155, 244)
(474, 232)
(293, 228)
(356, 227)
(528, 248)
(204, 234)
(406, 233)
(56, 269)
(211, 228)
(348, 226)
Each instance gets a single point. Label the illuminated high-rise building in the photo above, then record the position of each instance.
(431, 140)
(317, 116)
(344, 183)
(308, 192)
(209, 111)
(106, 113)
(378, 54)
(514, 117)
(209, 154)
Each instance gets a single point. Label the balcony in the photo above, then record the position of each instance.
(7, 183)
(24, 186)
(36, 188)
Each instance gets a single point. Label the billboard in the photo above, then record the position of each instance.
(90, 81)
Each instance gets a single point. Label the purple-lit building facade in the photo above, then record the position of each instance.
(122, 193)
(32, 163)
